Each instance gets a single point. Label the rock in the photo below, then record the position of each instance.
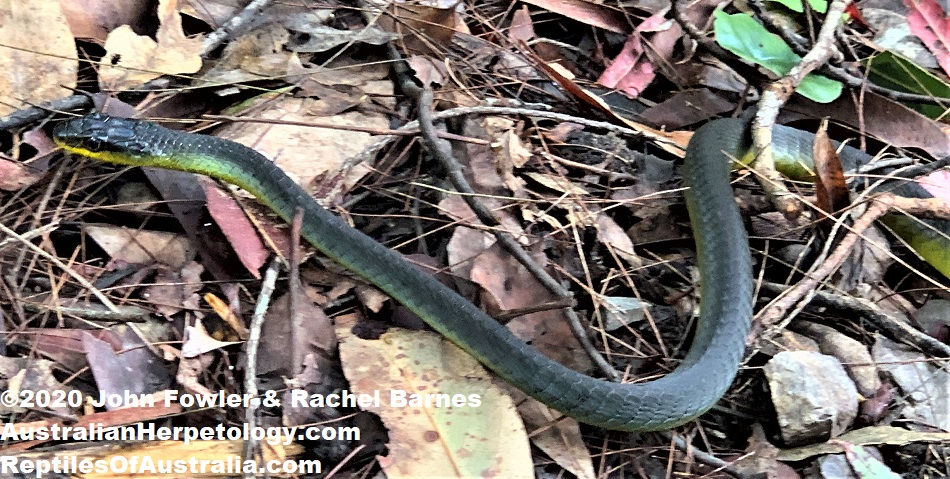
(813, 396)
(851, 353)
(832, 466)
(934, 318)
(926, 387)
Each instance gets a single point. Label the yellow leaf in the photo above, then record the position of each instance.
(444, 415)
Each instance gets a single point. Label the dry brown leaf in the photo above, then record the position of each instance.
(15, 176)
(423, 29)
(314, 332)
(255, 55)
(142, 246)
(212, 12)
(36, 375)
(39, 59)
(557, 183)
(96, 18)
(590, 13)
(133, 59)
(174, 290)
(616, 239)
(557, 435)
(522, 27)
(237, 228)
(481, 436)
(303, 152)
(507, 286)
(110, 365)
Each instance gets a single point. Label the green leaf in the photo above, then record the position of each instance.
(820, 6)
(746, 38)
(891, 70)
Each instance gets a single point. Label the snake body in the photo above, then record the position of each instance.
(692, 388)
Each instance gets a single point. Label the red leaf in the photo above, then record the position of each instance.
(631, 71)
(855, 14)
(928, 21)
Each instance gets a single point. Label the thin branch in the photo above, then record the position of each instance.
(76, 276)
(445, 158)
(251, 348)
(774, 97)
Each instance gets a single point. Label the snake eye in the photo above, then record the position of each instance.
(93, 144)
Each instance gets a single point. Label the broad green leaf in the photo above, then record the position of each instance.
(891, 70)
(745, 37)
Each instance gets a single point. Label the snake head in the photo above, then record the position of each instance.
(107, 138)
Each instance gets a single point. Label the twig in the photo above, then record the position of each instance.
(222, 34)
(897, 329)
(747, 70)
(454, 170)
(253, 343)
(76, 276)
(774, 317)
(296, 351)
(124, 314)
(710, 460)
(369, 153)
(774, 97)
(42, 230)
(34, 114)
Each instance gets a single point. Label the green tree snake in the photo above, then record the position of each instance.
(699, 381)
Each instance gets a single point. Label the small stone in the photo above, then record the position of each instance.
(813, 396)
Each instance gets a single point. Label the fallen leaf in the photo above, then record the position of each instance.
(142, 246)
(557, 183)
(588, 13)
(133, 59)
(237, 228)
(557, 435)
(865, 465)
(198, 341)
(130, 369)
(174, 290)
(422, 29)
(830, 186)
(65, 346)
(929, 22)
(522, 27)
(686, 108)
(475, 432)
(315, 334)
(255, 55)
(15, 176)
(615, 238)
(320, 38)
(96, 18)
(868, 436)
(39, 60)
(631, 71)
(293, 147)
(35, 375)
(224, 312)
